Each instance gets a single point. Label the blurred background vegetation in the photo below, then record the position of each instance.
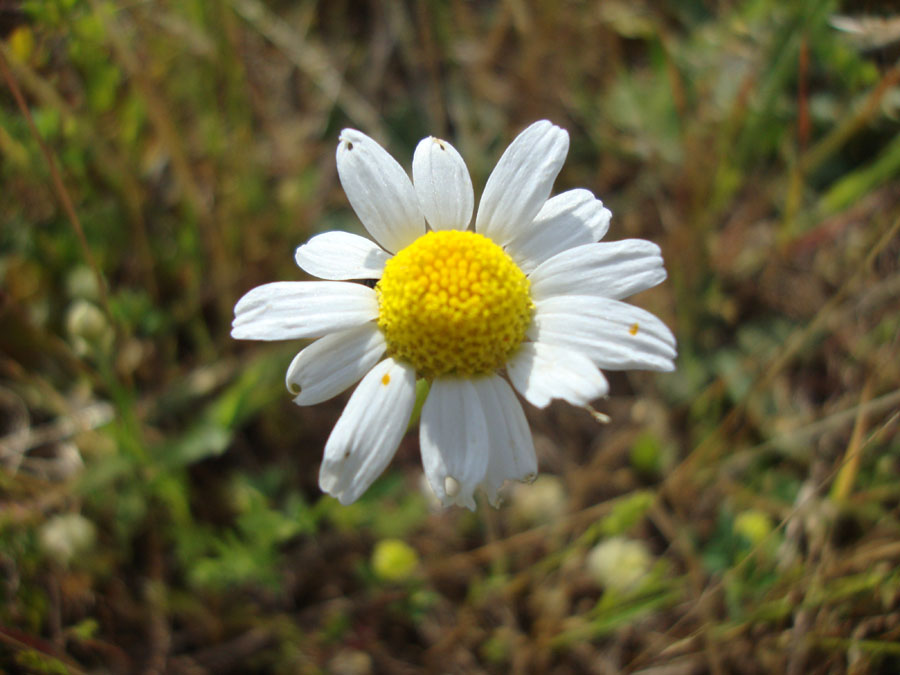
(158, 501)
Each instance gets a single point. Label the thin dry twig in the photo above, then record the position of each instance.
(85, 419)
(159, 114)
(835, 139)
(313, 61)
(59, 187)
(801, 336)
(109, 160)
(828, 424)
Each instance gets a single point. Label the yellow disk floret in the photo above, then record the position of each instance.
(453, 303)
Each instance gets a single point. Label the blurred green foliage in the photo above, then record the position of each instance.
(752, 140)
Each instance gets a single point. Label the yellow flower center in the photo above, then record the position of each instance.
(453, 303)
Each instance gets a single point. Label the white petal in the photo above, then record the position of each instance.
(331, 364)
(542, 372)
(611, 270)
(443, 185)
(286, 310)
(453, 437)
(366, 436)
(341, 255)
(511, 455)
(379, 191)
(612, 334)
(570, 219)
(521, 182)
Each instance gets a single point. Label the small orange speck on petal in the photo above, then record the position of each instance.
(385, 379)
(634, 329)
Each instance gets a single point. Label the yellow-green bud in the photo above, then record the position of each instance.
(753, 525)
(394, 560)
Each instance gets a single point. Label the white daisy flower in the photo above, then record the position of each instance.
(526, 298)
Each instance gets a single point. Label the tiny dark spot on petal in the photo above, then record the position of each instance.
(349, 145)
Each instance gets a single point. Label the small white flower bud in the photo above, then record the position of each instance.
(619, 564)
(541, 502)
(88, 328)
(64, 536)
